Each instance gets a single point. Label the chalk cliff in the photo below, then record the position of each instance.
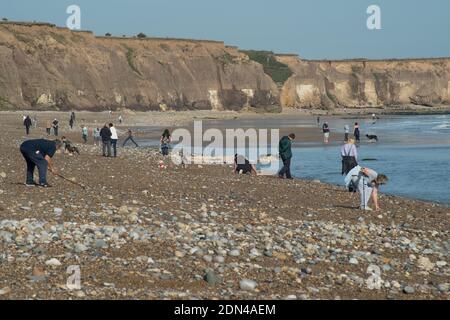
(46, 67)
(364, 83)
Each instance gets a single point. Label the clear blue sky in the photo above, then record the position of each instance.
(315, 29)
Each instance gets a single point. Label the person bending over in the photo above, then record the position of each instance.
(243, 166)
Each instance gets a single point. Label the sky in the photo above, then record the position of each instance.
(314, 29)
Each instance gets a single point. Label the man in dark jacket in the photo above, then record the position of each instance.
(106, 134)
(27, 123)
(286, 155)
(39, 152)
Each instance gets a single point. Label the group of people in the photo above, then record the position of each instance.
(326, 132)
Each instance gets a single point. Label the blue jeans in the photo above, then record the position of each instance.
(286, 170)
(34, 160)
(114, 146)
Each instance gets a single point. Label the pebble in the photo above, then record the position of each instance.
(408, 290)
(353, 261)
(53, 262)
(247, 285)
(211, 277)
(234, 253)
(5, 290)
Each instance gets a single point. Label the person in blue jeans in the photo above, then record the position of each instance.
(39, 152)
(286, 156)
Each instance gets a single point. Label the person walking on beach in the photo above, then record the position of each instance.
(39, 152)
(356, 132)
(55, 125)
(71, 122)
(318, 121)
(96, 136)
(130, 137)
(84, 134)
(165, 142)
(349, 156)
(105, 133)
(346, 132)
(120, 119)
(27, 123)
(48, 127)
(114, 138)
(368, 182)
(285, 151)
(326, 132)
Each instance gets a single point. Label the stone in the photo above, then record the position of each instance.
(79, 247)
(219, 259)
(425, 264)
(57, 211)
(100, 244)
(353, 261)
(234, 253)
(207, 258)
(2, 175)
(408, 290)
(211, 277)
(5, 290)
(53, 262)
(247, 285)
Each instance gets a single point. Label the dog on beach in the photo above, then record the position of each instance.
(372, 137)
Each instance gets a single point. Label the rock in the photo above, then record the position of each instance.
(234, 253)
(133, 218)
(353, 261)
(425, 264)
(180, 254)
(53, 262)
(441, 263)
(219, 259)
(247, 285)
(79, 247)
(443, 287)
(123, 210)
(2, 175)
(211, 277)
(100, 244)
(57, 211)
(5, 290)
(408, 290)
(207, 258)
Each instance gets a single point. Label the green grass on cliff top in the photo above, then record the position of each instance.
(279, 72)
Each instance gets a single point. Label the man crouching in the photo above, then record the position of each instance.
(39, 152)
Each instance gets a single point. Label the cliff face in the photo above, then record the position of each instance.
(45, 67)
(330, 84)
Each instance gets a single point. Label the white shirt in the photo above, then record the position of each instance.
(113, 133)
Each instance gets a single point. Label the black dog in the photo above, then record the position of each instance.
(372, 137)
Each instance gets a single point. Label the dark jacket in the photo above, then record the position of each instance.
(285, 148)
(27, 122)
(106, 134)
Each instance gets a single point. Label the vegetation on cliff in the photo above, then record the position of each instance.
(279, 72)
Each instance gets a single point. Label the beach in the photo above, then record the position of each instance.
(141, 232)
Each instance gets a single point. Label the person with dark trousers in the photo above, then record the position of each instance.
(27, 123)
(105, 134)
(243, 166)
(165, 142)
(39, 152)
(114, 138)
(55, 125)
(357, 133)
(285, 152)
(130, 137)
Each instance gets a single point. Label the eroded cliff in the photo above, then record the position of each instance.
(364, 83)
(46, 67)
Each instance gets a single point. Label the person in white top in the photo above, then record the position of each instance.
(114, 138)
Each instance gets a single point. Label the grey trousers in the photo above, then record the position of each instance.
(365, 191)
(106, 148)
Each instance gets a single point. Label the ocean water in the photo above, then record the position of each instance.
(413, 151)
